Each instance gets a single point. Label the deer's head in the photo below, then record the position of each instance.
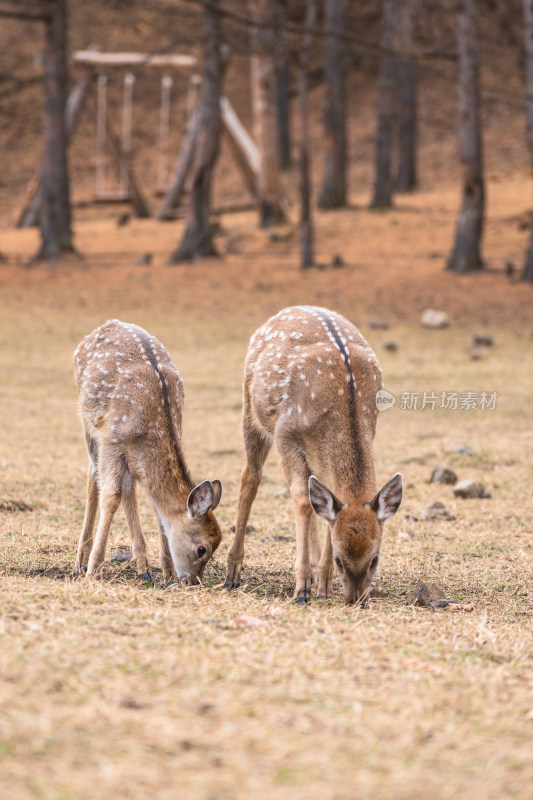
(356, 533)
(194, 535)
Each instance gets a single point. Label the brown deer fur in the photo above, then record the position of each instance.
(310, 385)
(131, 400)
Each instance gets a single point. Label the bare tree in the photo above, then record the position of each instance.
(283, 84)
(55, 213)
(466, 255)
(382, 197)
(528, 30)
(263, 80)
(306, 220)
(334, 185)
(407, 130)
(197, 240)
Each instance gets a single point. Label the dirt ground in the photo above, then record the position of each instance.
(111, 688)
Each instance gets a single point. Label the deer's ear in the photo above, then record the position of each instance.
(217, 492)
(324, 502)
(387, 502)
(200, 500)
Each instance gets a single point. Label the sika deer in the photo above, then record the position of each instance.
(131, 401)
(310, 384)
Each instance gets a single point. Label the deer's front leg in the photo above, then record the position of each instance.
(325, 569)
(257, 448)
(129, 501)
(165, 558)
(307, 544)
(250, 480)
(110, 478)
(108, 505)
(86, 539)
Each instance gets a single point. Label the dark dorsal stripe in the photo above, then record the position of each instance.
(336, 337)
(338, 341)
(145, 342)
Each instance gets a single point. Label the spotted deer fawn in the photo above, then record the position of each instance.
(131, 401)
(310, 384)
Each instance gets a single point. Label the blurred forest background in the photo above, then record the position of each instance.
(331, 98)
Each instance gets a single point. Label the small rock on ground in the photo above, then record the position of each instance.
(434, 319)
(435, 511)
(482, 340)
(443, 474)
(465, 449)
(377, 324)
(470, 488)
(377, 591)
(249, 529)
(425, 595)
(122, 555)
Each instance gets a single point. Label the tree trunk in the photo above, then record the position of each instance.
(382, 197)
(283, 86)
(31, 212)
(55, 222)
(528, 29)
(334, 184)
(466, 256)
(306, 220)
(406, 176)
(263, 81)
(197, 241)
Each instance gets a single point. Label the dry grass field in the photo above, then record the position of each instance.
(109, 688)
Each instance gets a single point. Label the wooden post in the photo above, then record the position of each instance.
(181, 170)
(101, 113)
(127, 103)
(242, 146)
(164, 128)
(136, 196)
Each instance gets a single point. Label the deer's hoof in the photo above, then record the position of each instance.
(80, 570)
(229, 585)
(302, 597)
(145, 576)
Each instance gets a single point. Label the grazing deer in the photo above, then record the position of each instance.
(310, 384)
(131, 400)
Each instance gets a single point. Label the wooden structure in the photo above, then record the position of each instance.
(96, 65)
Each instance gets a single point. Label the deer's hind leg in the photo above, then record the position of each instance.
(86, 538)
